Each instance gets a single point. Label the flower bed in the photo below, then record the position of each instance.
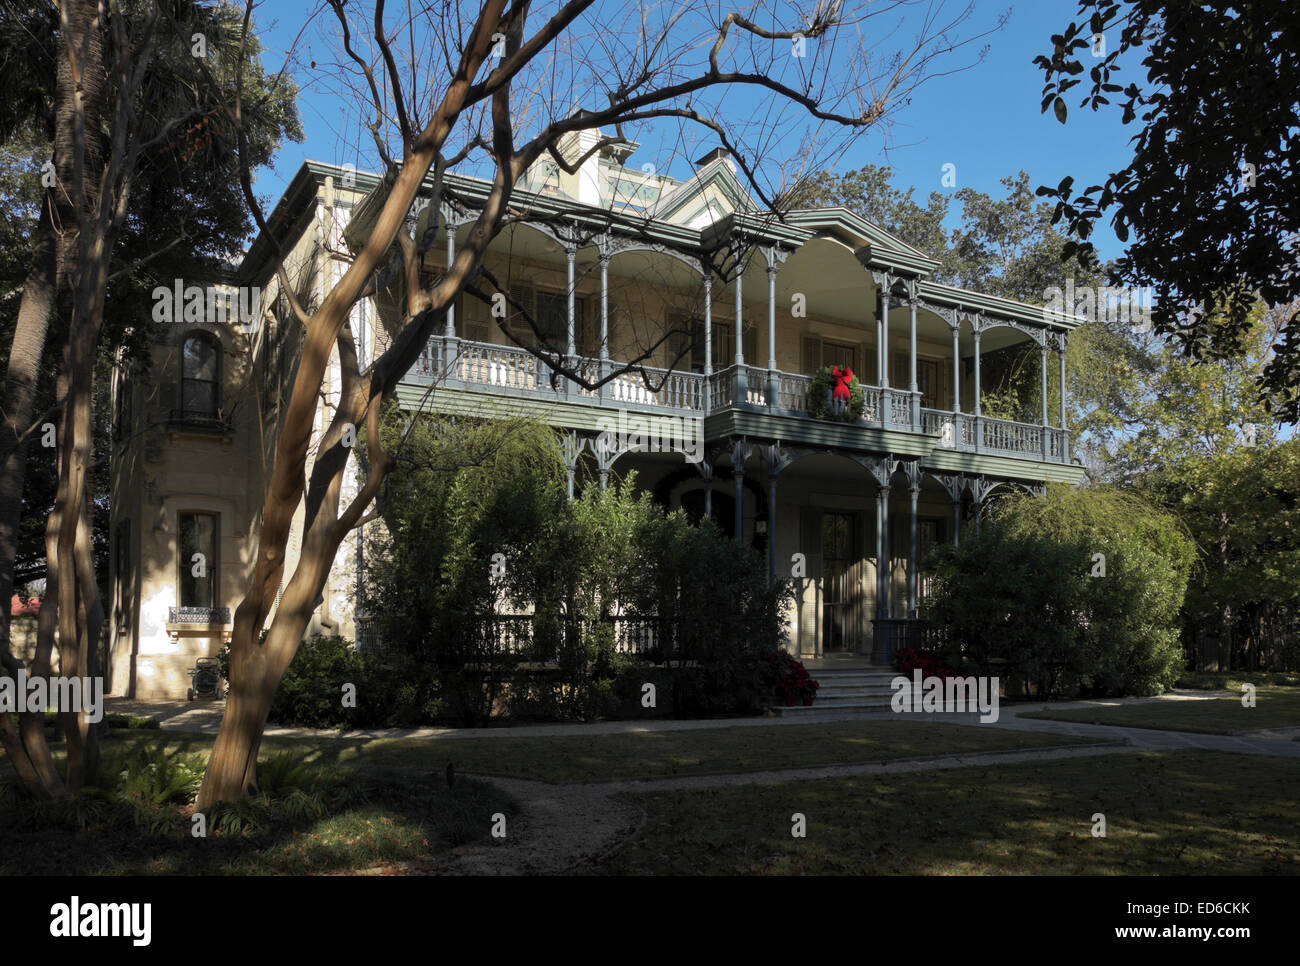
(931, 664)
(790, 680)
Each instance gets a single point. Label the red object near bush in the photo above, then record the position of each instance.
(841, 378)
(931, 664)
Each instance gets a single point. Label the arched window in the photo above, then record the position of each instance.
(200, 375)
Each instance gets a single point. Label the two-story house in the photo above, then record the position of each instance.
(730, 312)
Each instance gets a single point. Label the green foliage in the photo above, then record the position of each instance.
(479, 524)
(391, 691)
(1020, 596)
(151, 774)
(186, 215)
(1187, 410)
(1207, 142)
(1242, 506)
(819, 398)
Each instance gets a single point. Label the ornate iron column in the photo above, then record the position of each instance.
(913, 471)
(777, 459)
(977, 325)
(606, 253)
(740, 451)
(913, 287)
(774, 259)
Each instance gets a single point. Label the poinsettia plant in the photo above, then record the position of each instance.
(931, 664)
(790, 679)
(836, 394)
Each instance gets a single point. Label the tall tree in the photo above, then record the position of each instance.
(124, 79)
(1211, 197)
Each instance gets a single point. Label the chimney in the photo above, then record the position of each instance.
(714, 155)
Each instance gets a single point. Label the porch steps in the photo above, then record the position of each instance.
(848, 689)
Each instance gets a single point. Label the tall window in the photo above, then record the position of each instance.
(200, 375)
(819, 352)
(198, 560)
(724, 345)
(550, 310)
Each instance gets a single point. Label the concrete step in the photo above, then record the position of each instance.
(854, 680)
(865, 707)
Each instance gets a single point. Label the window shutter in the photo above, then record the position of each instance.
(473, 319)
(812, 355)
(521, 293)
(749, 340)
(587, 322)
(678, 344)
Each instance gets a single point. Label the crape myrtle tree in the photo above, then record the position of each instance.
(120, 93)
(1210, 198)
(503, 85)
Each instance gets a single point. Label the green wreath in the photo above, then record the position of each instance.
(819, 399)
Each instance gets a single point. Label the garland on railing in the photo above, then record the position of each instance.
(836, 394)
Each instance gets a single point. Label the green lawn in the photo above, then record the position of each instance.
(1274, 708)
(332, 818)
(666, 754)
(391, 803)
(1185, 812)
(1233, 680)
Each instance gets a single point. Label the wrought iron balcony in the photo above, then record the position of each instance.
(512, 371)
(198, 615)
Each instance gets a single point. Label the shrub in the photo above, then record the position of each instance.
(1019, 597)
(153, 775)
(396, 691)
(819, 401)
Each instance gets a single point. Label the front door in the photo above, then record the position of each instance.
(839, 624)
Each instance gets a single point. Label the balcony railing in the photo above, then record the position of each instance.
(510, 370)
(198, 615)
(520, 637)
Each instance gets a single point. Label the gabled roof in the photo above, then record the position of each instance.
(854, 229)
(717, 172)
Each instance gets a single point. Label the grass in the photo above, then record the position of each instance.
(1167, 813)
(668, 754)
(314, 819)
(1274, 708)
(1232, 681)
(384, 801)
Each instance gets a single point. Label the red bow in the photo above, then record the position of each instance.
(840, 389)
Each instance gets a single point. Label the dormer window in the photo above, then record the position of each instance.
(200, 375)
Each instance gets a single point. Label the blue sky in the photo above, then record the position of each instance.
(985, 120)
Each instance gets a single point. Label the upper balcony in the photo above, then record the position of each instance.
(731, 311)
(510, 371)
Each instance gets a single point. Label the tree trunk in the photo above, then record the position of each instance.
(26, 747)
(21, 376)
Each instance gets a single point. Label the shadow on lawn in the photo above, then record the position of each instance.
(325, 818)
